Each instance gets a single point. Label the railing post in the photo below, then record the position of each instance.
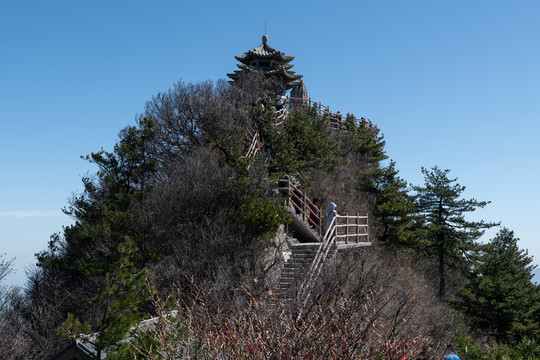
(367, 228)
(357, 228)
(319, 217)
(347, 228)
(304, 206)
(289, 193)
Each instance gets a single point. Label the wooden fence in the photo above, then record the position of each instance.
(351, 228)
(254, 145)
(307, 209)
(335, 119)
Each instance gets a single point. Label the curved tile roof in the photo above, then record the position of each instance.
(279, 68)
(264, 51)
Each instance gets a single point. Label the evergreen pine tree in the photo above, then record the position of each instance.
(394, 207)
(500, 295)
(446, 233)
(118, 303)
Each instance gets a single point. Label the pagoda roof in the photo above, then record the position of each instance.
(275, 64)
(289, 78)
(264, 51)
(278, 71)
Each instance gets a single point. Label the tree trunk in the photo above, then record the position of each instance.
(441, 247)
(441, 272)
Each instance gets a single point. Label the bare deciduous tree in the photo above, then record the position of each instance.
(262, 328)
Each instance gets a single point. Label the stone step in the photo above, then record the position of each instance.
(301, 261)
(304, 252)
(299, 264)
(293, 279)
(296, 268)
(311, 252)
(303, 256)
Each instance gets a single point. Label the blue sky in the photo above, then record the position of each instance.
(450, 83)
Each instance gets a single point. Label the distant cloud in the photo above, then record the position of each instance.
(30, 214)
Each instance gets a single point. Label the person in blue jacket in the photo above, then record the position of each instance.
(330, 214)
(450, 356)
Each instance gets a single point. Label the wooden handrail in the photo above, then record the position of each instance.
(297, 200)
(352, 227)
(308, 284)
(253, 148)
(334, 119)
(330, 239)
(283, 113)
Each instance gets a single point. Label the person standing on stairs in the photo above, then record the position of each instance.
(280, 102)
(298, 200)
(330, 214)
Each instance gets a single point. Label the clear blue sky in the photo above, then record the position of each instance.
(450, 83)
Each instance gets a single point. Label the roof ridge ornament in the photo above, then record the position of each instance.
(265, 39)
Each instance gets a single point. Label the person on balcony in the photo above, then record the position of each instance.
(339, 119)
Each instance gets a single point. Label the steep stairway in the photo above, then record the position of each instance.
(297, 266)
(319, 243)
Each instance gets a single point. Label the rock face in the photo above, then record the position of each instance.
(277, 254)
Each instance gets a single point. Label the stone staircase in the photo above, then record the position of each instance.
(297, 266)
(302, 267)
(261, 159)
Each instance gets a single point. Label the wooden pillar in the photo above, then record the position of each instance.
(304, 206)
(367, 228)
(347, 229)
(289, 193)
(319, 216)
(357, 228)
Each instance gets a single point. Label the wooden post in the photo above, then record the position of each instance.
(347, 229)
(357, 228)
(367, 228)
(289, 193)
(319, 219)
(304, 205)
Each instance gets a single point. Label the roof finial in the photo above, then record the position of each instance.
(265, 39)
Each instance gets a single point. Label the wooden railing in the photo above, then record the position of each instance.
(352, 228)
(304, 207)
(254, 147)
(335, 119)
(281, 115)
(341, 227)
(349, 228)
(306, 289)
